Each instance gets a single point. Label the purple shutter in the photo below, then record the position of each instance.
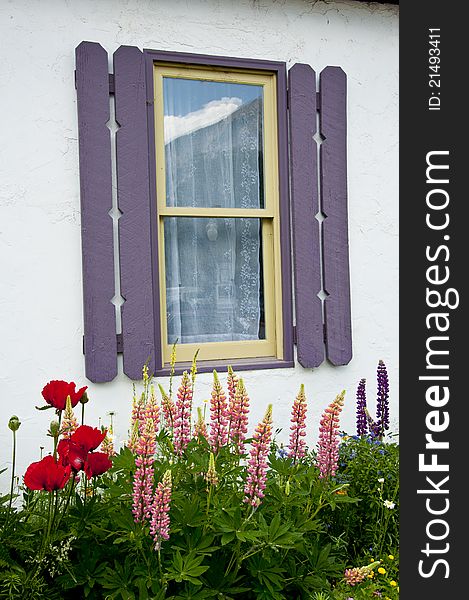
(333, 161)
(305, 207)
(133, 190)
(92, 83)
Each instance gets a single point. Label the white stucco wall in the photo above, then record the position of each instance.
(40, 262)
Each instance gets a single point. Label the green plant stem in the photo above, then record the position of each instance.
(67, 502)
(13, 462)
(159, 567)
(82, 414)
(234, 558)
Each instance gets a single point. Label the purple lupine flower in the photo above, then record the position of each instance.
(182, 419)
(159, 525)
(362, 424)
(328, 444)
(297, 446)
(257, 464)
(382, 403)
(375, 429)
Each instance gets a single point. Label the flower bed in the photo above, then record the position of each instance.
(200, 510)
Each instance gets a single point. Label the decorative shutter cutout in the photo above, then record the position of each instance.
(133, 193)
(305, 206)
(307, 234)
(92, 83)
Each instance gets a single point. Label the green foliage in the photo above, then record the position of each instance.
(370, 469)
(295, 545)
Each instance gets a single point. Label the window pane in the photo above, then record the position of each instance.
(214, 285)
(213, 143)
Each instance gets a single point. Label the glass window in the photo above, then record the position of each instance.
(217, 195)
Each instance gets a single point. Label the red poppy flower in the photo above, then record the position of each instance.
(55, 393)
(47, 475)
(71, 454)
(97, 463)
(89, 438)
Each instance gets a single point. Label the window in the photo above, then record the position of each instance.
(220, 277)
(190, 203)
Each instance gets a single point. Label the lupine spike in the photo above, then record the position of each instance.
(172, 365)
(375, 429)
(362, 422)
(152, 410)
(232, 382)
(107, 445)
(200, 429)
(218, 416)
(135, 419)
(69, 421)
(168, 408)
(182, 420)
(194, 369)
(257, 464)
(357, 574)
(328, 444)
(211, 476)
(143, 477)
(382, 404)
(159, 524)
(297, 446)
(238, 416)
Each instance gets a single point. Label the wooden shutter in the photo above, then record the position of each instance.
(305, 206)
(94, 85)
(329, 325)
(133, 196)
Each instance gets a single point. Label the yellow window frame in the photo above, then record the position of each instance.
(272, 345)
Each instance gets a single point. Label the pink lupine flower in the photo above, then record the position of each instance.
(356, 575)
(159, 524)
(152, 410)
(169, 410)
(218, 416)
(135, 421)
(239, 411)
(182, 419)
(296, 448)
(257, 464)
(200, 429)
(69, 422)
(328, 444)
(143, 478)
(232, 382)
(107, 445)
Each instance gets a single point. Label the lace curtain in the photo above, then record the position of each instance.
(213, 151)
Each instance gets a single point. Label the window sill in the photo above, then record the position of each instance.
(247, 364)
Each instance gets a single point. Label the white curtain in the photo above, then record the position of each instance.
(213, 265)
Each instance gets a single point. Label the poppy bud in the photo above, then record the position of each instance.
(54, 429)
(14, 423)
(287, 488)
(84, 399)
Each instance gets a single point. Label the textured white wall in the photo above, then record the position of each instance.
(40, 262)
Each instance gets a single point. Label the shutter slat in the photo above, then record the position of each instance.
(305, 206)
(134, 203)
(92, 83)
(333, 160)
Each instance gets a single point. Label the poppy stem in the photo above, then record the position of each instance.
(13, 461)
(82, 414)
